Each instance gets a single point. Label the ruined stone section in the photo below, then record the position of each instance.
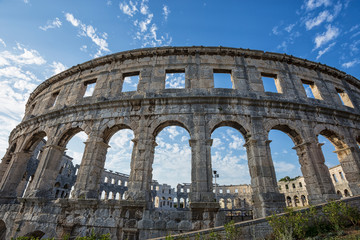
(58, 109)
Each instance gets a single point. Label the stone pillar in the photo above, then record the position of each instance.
(91, 169)
(201, 171)
(349, 158)
(45, 176)
(201, 197)
(14, 174)
(141, 169)
(266, 196)
(316, 174)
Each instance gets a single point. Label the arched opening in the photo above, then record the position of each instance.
(118, 159)
(296, 201)
(283, 143)
(346, 193)
(336, 154)
(303, 200)
(288, 201)
(35, 146)
(74, 142)
(36, 234)
(229, 161)
(229, 204)
(2, 230)
(172, 159)
(339, 193)
(222, 203)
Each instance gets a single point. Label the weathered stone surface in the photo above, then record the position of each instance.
(58, 110)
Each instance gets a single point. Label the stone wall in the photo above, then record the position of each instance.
(58, 109)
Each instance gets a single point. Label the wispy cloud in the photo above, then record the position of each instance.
(350, 63)
(89, 31)
(330, 34)
(26, 57)
(58, 67)
(56, 23)
(312, 4)
(128, 8)
(322, 52)
(2, 42)
(166, 12)
(147, 30)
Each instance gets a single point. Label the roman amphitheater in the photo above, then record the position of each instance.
(43, 195)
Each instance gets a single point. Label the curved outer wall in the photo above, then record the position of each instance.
(58, 110)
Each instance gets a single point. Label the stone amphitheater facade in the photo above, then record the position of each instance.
(58, 110)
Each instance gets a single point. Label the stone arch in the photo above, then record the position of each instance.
(108, 132)
(288, 201)
(286, 127)
(234, 124)
(35, 234)
(303, 200)
(346, 193)
(168, 123)
(33, 141)
(67, 135)
(2, 230)
(333, 136)
(339, 193)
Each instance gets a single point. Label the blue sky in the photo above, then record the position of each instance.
(41, 38)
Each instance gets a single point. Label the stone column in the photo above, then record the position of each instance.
(201, 171)
(315, 172)
(349, 158)
(266, 196)
(92, 166)
(141, 169)
(45, 176)
(14, 174)
(201, 198)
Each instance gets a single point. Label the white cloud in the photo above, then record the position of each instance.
(283, 167)
(330, 34)
(147, 30)
(27, 57)
(323, 16)
(312, 4)
(2, 42)
(109, 3)
(175, 80)
(83, 48)
(56, 23)
(144, 24)
(275, 30)
(166, 12)
(128, 9)
(90, 31)
(350, 63)
(26, 1)
(172, 132)
(58, 67)
(322, 52)
(289, 27)
(70, 18)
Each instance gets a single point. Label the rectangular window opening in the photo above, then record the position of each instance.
(335, 179)
(344, 98)
(311, 90)
(89, 88)
(175, 78)
(271, 83)
(341, 175)
(53, 99)
(131, 81)
(222, 79)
